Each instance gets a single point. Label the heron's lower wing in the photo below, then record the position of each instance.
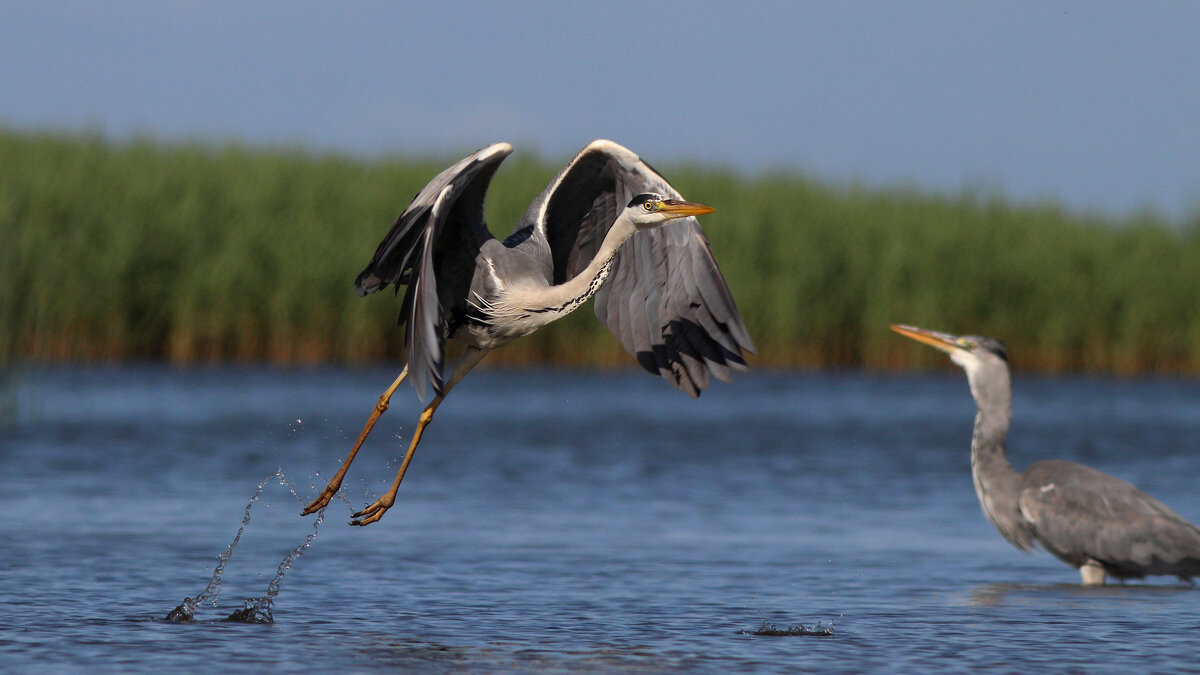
(425, 332)
(1081, 512)
(669, 305)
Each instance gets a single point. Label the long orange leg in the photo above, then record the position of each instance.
(470, 358)
(335, 483)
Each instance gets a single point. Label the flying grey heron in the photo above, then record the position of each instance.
(1090, 520)
(607, 225)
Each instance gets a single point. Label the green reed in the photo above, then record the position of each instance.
(193, 252)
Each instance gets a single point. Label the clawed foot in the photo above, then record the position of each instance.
(365, 517)
(323, 499)
(372, 513)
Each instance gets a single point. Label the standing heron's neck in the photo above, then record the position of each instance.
(997, 484)
(988, 440)
(991, 387)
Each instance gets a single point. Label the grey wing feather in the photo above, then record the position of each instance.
(431, 248)
(1079, 513)
(665, 298)
(696, 327)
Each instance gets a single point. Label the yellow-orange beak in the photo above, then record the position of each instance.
(677, 208)
(943, 341)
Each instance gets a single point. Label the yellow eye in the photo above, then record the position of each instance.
(648, 205)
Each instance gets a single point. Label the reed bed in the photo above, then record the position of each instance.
(198, 253)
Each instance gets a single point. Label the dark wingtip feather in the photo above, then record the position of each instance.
(367, 283)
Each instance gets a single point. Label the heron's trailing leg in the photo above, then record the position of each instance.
(470, 358)
(335, 483)
(1092, 573)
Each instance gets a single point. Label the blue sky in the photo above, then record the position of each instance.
(1094, 104)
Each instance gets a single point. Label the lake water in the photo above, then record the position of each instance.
(569, 521)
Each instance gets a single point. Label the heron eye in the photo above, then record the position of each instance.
(648, 205)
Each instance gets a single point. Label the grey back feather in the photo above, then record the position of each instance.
(1079, 513)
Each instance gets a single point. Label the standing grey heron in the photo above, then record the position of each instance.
(1090, 520)
(608, 225)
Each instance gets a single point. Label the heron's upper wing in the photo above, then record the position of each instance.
(431, 248)
(1079, 511)
(665, 298)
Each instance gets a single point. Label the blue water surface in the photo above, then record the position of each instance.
(569, 521)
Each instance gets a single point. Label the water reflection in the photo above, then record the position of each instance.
(411, 654)
(998, 594)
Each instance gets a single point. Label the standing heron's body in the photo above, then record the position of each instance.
(608, 226)
(1094, 522)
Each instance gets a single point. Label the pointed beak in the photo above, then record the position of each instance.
(677, 208)
(944, 341)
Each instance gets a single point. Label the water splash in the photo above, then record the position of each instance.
(254, 610)
(258, 610)
(186, 611)
(771, 630)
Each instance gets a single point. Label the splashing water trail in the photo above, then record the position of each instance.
(258, 610)
(254, 610)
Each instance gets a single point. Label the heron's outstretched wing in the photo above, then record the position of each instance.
(1079, 512)
(431, 248)
(665, 298)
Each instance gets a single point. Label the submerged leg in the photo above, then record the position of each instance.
(1092, 573)
(335, 483)
(470, 358)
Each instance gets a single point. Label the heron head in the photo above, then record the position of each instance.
(984, 359)
(650, 209)
(972, 352)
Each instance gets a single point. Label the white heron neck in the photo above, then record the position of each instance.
(523, 309)
(572, 293)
